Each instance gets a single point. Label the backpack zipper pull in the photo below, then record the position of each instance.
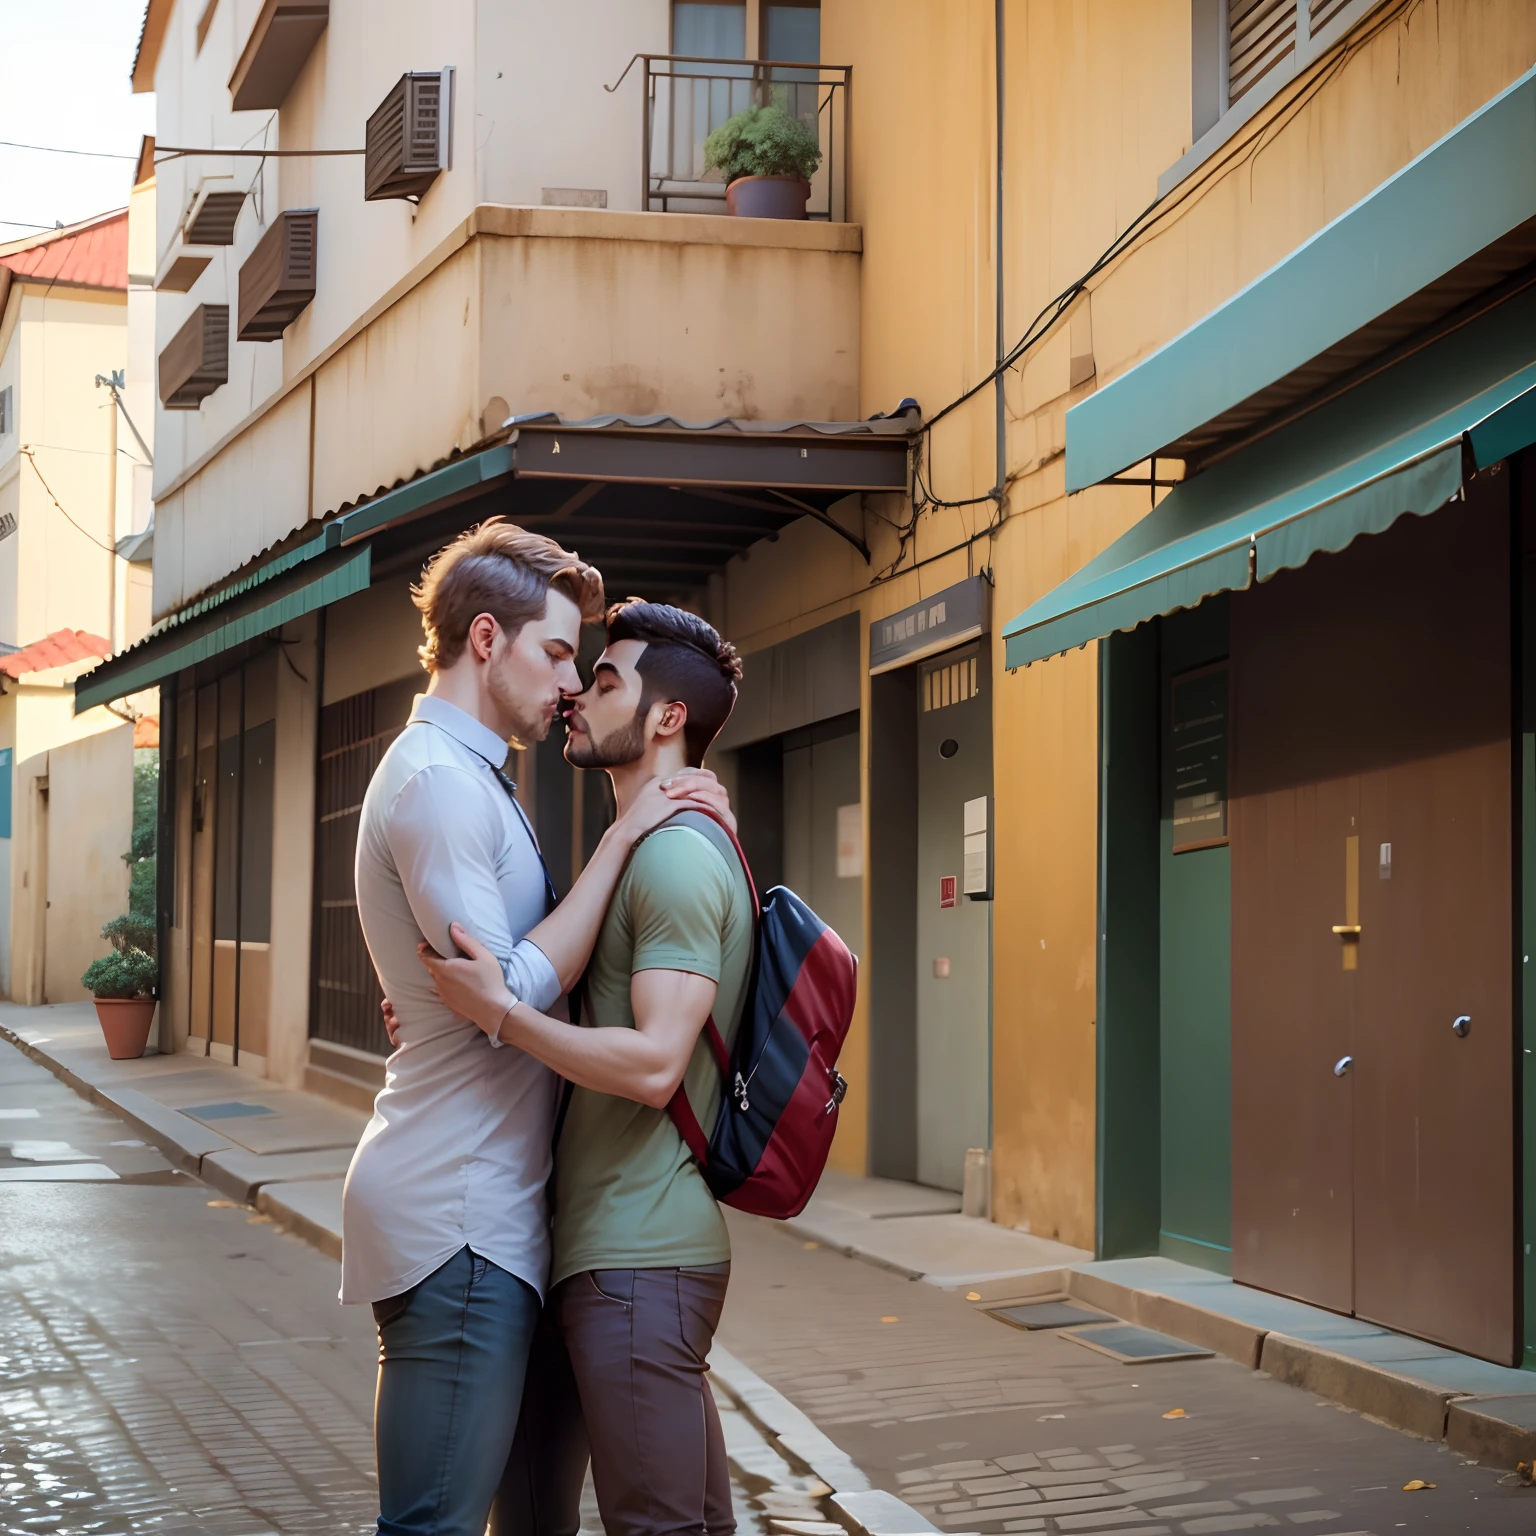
(741, 1094)
(839, 1091)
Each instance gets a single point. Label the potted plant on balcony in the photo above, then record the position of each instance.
(768, 159)
(123, 985)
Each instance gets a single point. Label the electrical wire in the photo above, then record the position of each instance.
(1243, 150)
(31, 458)
(54, 149)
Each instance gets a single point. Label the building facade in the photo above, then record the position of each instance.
(1031, 332)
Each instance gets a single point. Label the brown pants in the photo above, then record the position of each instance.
(617, 1373)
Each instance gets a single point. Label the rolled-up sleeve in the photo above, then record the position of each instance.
(444, 833)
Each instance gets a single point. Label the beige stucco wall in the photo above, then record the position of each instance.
(54, 342)
(71, 853)
(570, 310)
(1098, 107)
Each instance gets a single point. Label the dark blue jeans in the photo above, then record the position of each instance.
(453, 1351)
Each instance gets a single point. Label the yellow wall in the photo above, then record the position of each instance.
(1097, 106)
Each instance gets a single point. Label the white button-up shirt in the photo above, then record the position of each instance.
(458, 1150)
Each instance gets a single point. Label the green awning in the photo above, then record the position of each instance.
(1454, 204)
(1400, 443)
(302, 584)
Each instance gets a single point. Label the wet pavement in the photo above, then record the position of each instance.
(173, 1364)
(985, 1428)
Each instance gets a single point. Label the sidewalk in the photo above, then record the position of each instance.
(284, 1152)
(287, 1152)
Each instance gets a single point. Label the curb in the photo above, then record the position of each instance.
(1504, 1442)
(298, 1224)
(870, 1511)
(1405, 1404)
(1166, 1314)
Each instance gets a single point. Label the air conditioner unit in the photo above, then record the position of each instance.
(195, 361)
(212, 213)
(277, 280)
(408, 139)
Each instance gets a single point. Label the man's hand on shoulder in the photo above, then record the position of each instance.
(662, 799)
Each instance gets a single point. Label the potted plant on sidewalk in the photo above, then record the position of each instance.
(768, 159)
(123, 985)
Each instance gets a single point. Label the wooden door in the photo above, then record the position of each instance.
(1293, 1022)
(1371, 712)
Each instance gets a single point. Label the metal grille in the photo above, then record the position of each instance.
(952, 683)
(354, 735)
(1260, 33)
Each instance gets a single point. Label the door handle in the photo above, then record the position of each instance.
(1347, 930)
(1461, 1025)
(1342, 1065)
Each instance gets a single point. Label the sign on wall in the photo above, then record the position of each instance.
(922, 629)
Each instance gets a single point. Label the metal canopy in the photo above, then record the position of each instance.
(249, 610)
(1402, 443)
(1417, 252)
(656, 504)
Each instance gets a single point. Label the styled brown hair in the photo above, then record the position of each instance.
(684, 660)
(499, 569)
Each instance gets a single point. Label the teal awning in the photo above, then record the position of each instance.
(302, 584)
(1400, 443)
(1361, 282)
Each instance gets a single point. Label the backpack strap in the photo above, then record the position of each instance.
(725, 842)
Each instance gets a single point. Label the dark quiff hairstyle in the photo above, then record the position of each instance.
(499, 569)
(684, 660)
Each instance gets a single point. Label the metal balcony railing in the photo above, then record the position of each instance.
(685, 98)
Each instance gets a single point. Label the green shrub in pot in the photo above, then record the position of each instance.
(763, 141)
(131, 970)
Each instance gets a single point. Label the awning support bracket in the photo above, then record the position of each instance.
(824, 518)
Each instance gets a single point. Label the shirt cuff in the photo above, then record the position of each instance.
(531, 978)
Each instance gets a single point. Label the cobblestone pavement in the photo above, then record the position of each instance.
(171, 1364)
(986, 1428)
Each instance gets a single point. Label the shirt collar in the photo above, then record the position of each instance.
(464, 728)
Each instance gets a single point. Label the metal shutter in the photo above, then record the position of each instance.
(1260, 34)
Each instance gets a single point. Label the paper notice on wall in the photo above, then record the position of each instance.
(850, 842)
(976, 864)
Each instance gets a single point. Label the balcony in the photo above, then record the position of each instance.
(685, 98)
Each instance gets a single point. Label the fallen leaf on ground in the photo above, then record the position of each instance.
(809, 1246)
(1175, 1413)
(973, 1295)
(890, 1319)
(221, 1205)
(1417, 1484)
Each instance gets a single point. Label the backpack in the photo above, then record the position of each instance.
(780, 1087)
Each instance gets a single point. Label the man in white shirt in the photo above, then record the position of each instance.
(445, 1228)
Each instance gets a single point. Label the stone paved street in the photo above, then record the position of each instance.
(987, 1428)
(168, 1360)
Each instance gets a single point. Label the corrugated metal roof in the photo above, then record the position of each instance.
(900, 423)
(56, 650)
(91, 254)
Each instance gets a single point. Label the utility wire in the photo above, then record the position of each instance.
(54, 149)
(32, 460)
(1244, 149)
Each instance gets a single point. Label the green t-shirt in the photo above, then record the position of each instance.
(627, 1193)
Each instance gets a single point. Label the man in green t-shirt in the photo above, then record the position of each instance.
(641, 1253)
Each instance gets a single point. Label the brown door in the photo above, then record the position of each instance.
(1372, 789)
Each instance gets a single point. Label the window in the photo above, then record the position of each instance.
(709, 31)
(1197, 727)
(792, 31)
(1242, 52)
(951, 683)
(6, 424)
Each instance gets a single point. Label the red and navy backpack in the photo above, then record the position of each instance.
(780, 1087)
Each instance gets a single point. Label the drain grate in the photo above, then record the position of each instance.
(1136, 1346)
(233, 1110)
(1046, 1314)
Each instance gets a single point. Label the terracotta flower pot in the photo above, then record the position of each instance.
(125, 1022)
(768, 197)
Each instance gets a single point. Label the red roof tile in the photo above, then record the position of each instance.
(57, 650)
(91, 254)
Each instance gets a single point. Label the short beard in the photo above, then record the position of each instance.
(616, 750)
(527, 731)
